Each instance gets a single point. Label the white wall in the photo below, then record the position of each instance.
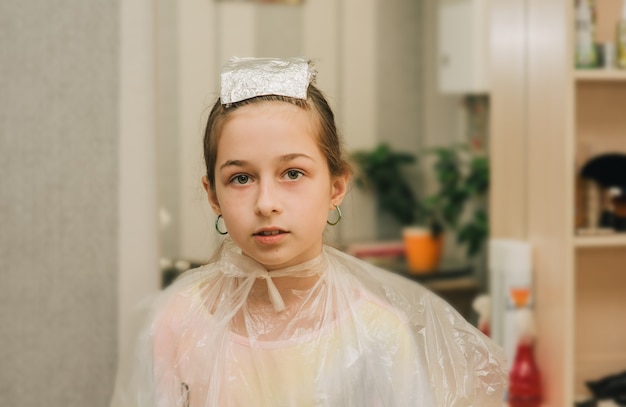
(59, 202)
(138, 236)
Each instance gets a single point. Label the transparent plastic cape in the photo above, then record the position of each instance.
(334, 331)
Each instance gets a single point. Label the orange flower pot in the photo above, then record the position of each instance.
(423, 251)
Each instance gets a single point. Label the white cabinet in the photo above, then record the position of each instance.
(463, 46)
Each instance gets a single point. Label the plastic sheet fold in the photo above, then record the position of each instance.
(344, 333)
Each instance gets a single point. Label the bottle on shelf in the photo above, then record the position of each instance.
(621, 39)
(525, 388)
(586, 56)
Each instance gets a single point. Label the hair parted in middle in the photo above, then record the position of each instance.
(329, 141)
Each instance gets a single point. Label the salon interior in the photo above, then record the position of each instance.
(521, 100)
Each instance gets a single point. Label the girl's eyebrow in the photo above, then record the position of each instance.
(282, 158)
(233, 163)
(293, 156)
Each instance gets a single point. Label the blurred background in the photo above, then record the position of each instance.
(102, 110)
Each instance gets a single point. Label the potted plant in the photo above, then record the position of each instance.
(463, 182)
(380, 171)
(462, 177)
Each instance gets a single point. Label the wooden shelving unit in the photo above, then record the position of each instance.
(546, 118)
(599, 126)
(609, 241)
(599, 75)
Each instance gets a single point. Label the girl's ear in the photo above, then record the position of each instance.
(339, 188)
(210, 191)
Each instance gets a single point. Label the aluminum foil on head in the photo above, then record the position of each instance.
(245, 78)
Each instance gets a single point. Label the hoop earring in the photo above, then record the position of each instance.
(339, 216)
(217, 226)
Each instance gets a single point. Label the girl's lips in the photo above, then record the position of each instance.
(268, 232)
(270, 236)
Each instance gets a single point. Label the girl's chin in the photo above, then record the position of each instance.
(274, 261)
(275, 257)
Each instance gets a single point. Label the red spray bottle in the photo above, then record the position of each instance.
(524, 378)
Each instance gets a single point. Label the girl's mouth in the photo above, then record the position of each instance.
(269, 232)
(270, 236)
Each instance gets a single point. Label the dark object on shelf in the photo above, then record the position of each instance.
(607, 219)
(171, 273)
(619, 204)
(608, 170)
(619, 223)
(444, 272)
(613, 215)
(168, 276)
(610, 387)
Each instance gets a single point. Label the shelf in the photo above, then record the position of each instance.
(600, 75)
(616, 240)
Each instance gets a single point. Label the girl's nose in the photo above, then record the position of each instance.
(268, 200)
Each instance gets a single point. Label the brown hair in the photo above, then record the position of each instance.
(329, 140)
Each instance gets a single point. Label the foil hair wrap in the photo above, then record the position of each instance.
(245, 78)
(348, 334)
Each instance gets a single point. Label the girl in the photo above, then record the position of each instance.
(279, 319)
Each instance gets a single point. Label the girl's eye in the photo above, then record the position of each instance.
(240, 179)
(293, 174)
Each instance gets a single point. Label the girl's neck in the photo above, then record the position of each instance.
(288, 283)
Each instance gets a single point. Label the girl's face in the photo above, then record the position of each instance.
(272, 183)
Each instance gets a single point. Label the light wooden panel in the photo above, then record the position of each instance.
(608, 13)
(507, 211)
(600, 339)
(579, 283)
(550, 190)
(613, 240)
(600, 116)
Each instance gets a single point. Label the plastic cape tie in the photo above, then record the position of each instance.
(237, 265)
(245, 78)
(356, 336)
